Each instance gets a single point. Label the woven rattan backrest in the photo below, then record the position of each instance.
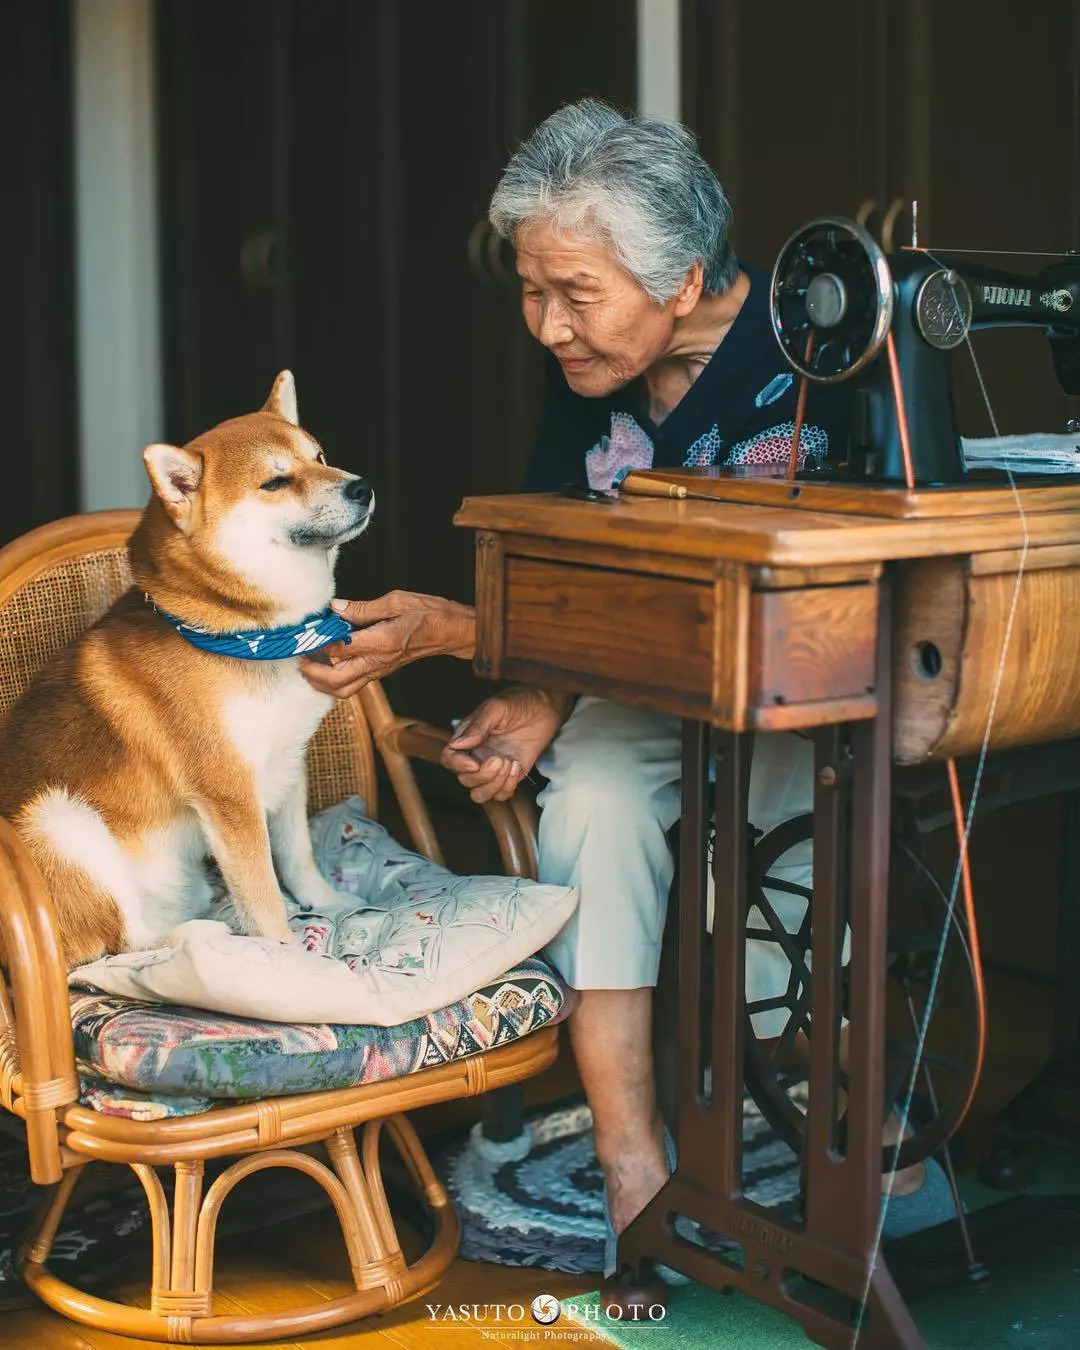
(50, 609)
(55, 582)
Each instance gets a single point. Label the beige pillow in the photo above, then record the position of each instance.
(407, 938)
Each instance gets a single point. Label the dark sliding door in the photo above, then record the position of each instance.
(325, 169)
(37, 292)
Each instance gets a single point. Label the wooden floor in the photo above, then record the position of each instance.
(304, 1262)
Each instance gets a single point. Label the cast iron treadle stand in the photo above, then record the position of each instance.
(843, 1189)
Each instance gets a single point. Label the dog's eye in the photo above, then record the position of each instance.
(276, 484)
(320, 458)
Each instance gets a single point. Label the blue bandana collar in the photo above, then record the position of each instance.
(269, 644)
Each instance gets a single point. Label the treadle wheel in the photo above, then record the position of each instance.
(831, 283)
(911, 959)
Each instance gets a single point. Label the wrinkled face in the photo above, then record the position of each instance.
(587, 310)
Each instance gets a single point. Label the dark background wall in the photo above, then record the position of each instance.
(37, 261)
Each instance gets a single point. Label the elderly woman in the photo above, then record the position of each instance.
(659, 352)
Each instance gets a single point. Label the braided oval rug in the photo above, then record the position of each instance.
(538, 1200)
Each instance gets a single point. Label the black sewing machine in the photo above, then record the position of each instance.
(836, 301)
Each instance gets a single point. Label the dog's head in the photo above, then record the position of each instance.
(255, 498)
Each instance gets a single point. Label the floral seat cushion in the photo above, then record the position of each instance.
(149, 1060)
(399, 937)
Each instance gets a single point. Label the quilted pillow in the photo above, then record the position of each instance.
(199, 1055)
(407, 937)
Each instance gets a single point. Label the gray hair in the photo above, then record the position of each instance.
(639, 184)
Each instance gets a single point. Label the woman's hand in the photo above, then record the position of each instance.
(392, 631)
(493, 750)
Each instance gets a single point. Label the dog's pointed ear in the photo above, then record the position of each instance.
(175, 474)
(282, 400)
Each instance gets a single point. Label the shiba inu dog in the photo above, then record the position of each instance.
(136, 754)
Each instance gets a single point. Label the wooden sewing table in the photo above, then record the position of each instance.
(875, 621)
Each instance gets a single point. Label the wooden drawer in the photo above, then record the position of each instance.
(695, 642)
(643, 639)
(813, 647)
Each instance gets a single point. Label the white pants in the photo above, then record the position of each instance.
(613, 793)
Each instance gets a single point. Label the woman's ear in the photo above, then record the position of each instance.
(689, 293)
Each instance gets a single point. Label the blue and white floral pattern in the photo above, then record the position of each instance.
(628, 447)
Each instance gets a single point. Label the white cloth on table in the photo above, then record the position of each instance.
(1032, 452)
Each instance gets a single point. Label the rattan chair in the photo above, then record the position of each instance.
(54, 582)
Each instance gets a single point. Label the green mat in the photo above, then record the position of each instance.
(1031, 1300)
(1041, 1313)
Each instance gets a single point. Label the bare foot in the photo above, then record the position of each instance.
(633, 1176)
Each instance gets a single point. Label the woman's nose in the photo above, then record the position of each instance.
(555, 329)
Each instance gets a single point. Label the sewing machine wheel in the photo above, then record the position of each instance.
(773, 1066)
(831, 299)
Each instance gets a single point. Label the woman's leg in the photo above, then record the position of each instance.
(611, 1032)
(613, 794)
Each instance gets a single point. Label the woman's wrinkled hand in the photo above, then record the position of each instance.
(391, 631)
(493, 750)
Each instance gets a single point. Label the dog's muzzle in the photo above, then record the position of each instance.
(360, 492)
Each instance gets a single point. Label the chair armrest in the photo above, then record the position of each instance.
(401, 739)
(37, 1052)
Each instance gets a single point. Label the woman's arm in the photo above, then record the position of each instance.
(390, 632)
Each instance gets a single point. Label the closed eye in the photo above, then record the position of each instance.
(275, 484)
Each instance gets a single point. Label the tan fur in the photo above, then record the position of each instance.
(133, 726)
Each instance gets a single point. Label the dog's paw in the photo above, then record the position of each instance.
(315, 896)
(276, 928)
(265, 925)
(281, 934)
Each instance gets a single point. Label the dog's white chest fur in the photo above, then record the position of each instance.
(270, 724)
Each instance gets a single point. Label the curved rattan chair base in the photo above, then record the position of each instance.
(181, 1294)
(240, 1330)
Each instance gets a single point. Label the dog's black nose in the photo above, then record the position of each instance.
(359, 490)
